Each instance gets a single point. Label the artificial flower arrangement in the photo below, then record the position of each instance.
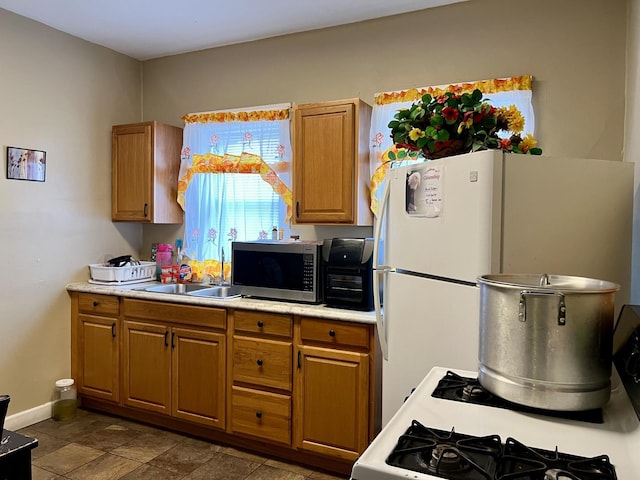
(452, 123)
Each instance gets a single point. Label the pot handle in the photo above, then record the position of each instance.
(522, 306)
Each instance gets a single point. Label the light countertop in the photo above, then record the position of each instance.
(137, 291)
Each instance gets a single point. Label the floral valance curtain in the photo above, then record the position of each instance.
(234, 180)
(500, 92)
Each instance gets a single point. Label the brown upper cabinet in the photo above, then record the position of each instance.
(146, 161)
(331, 163)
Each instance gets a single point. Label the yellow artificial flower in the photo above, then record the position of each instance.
(415, 134)
(527, 143)
(512, 117)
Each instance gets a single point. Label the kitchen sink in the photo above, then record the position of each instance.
(177, 288)
(223, 291)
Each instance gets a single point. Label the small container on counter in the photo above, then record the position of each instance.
(163, 258)
(65, 403)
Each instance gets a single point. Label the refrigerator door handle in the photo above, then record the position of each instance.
(379, 273)
(377, 235)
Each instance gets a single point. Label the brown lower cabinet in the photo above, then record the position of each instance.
(332, 388)
(172, 364)
(96, 345)
(301, 388)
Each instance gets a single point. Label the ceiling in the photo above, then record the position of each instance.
(145, 29)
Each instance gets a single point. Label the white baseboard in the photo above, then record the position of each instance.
(28, 417)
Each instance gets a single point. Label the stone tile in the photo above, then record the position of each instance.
(72, 429)
(141, 427)
(46, 443)
(242, 454)
(67, 458)
(290, 467)
(265, 472)
(108, 438)
(106, 467)
(98, 416)
(147, 472)
(224, 467)
(145, 447)
(38, 473)
(76, 450)
(186, 456)
(325, 476)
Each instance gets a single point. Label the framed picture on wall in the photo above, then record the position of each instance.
(26, 164)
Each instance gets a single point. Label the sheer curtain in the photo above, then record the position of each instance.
(234, 181)
(500, 92)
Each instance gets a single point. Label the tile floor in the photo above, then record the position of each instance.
(101, 447)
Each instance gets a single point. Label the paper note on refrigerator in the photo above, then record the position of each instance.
(424, 191)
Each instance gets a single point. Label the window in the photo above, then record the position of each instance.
(234, 181)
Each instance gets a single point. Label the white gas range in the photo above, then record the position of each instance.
(431, 438)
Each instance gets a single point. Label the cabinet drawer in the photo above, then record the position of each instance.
(262, 362)
(334, 332)
(176, 313)
(261, 414)
(93, 303)
(263, 323)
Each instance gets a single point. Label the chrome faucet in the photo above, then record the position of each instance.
(222, 266)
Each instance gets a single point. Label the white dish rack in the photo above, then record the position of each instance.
(142, 272)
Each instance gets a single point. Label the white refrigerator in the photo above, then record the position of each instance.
(444, 223)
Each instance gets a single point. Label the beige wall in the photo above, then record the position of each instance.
(61, 94)
(572, 49)
(58, 94)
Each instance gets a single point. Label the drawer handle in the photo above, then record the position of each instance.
(95, 304)
(259, 362)
(258, 414)
(260, 324)
(332, 333)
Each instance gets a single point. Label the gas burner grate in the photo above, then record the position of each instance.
(522, 462)
(468, 390)
(455, 456)
(446, 454)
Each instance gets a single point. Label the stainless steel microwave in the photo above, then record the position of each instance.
(278, 270)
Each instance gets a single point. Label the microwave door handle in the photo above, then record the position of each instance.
(379, 273)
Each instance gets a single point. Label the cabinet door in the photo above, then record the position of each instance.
(324, 163)
(198, 367)
(99, 357)
(332, 401)
(147, 366)
(132, 172)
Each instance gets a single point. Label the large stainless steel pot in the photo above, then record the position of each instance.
(546, 340)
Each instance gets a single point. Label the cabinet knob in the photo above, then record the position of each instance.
(259, 362)
(95, 304)
(260, 324)
(332, 333)
(258, 414)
